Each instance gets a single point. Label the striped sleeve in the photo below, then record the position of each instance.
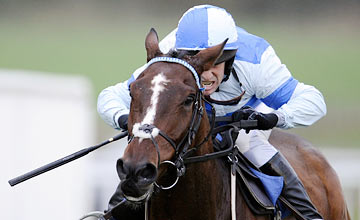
(296, 104)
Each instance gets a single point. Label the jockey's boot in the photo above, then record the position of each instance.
(293, 190)
(125, 211)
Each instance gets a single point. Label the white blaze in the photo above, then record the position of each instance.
(157, 83)
(157, 87)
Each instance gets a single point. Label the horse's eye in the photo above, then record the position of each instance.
(189, 100)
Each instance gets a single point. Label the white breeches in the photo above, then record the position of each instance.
(255, 145)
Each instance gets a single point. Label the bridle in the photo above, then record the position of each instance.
(182, 149)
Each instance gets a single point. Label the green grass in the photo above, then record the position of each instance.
(108, 55)
(105, 57)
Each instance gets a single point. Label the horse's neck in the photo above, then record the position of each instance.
(203, 193)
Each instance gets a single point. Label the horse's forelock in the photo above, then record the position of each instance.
(188, 56)
(181, 54)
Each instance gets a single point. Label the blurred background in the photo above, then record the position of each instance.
(56, 56)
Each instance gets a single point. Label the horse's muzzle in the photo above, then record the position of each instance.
(136, 179)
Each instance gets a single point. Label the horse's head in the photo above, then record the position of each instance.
(166, 104)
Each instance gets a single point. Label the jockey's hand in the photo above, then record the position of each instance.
(123, 121)
(243, 113)
(265, 121)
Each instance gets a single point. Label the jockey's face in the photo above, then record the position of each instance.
(212, 78)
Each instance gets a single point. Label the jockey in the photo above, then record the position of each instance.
(249, 64)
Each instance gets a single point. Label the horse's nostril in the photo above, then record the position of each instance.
(121, 169)
(144, 173)
(147, 173)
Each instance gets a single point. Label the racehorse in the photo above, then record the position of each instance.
(167, 120)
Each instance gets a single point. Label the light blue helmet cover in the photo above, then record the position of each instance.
(205, 26)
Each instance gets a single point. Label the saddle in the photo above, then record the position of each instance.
(253, 191)
(250, 185)
(256, 194)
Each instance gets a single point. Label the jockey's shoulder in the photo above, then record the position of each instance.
(250, 47)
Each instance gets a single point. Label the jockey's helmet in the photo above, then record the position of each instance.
(205, 26)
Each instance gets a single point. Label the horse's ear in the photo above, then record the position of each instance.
(152, 45)
(205, 59)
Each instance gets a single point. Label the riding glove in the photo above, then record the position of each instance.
(265, 121)
(243, 113)
(123, 121)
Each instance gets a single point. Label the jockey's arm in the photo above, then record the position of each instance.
(114, 101)
(296, 104)
(304, 108)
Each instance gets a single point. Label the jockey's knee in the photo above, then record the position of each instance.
(256, 147)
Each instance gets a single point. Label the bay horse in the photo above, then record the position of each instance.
(167, 115)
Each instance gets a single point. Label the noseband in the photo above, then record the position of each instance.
(182, 150)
